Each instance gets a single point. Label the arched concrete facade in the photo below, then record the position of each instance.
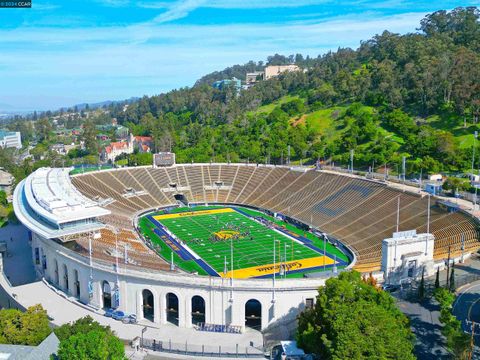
(223, 304)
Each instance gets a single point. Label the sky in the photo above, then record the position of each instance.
(60, 53)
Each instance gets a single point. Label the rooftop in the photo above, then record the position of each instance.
(6, 178)
(47, 200)
(4, 133)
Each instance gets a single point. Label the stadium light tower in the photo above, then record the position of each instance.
(231, 269)
(274, 267)
(117, 283)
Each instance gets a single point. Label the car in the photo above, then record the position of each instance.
(390, 288)
(118, 315)
(109, 312)
(130, 319)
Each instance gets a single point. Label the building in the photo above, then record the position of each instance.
(10, 139)
(114, 149)
(221, 84)
(272, 71)
(141, 143)
(144, 144)
(6, 182)
(44, 350)
(406, 255)
(253, 77)
(62, 149)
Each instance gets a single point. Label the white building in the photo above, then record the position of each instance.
(10, 139)
(272, 71)
(406, 255)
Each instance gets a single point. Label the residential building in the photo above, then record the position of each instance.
(143, 143)
(62, 149)
(272, 71)
(10, 139)
(114, 149)
(110, 152)
(253, 77)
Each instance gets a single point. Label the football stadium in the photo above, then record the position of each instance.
(229, 246)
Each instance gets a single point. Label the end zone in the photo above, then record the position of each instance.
(291, 266)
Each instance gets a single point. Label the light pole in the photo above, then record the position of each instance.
(475, 135)
(231, 269)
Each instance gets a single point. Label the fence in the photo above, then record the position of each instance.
(195, 350)
(410, 291)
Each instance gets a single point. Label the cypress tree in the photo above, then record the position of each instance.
(452, 278)
(421, 288)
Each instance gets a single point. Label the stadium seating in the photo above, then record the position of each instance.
(360, 213)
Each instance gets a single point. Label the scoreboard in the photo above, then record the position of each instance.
(163, 159)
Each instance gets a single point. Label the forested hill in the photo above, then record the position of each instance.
(415, 95)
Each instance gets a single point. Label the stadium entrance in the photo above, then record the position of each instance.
(198, 310)
(107, 295)
(253, 314)
(172, 308)
(147, 304)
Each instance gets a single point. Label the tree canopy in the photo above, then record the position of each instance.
(24, 328)
(352, 319)
(86, 339)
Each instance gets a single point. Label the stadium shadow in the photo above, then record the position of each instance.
(283, 328)
(429, 343)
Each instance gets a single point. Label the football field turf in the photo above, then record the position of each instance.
(210, 234)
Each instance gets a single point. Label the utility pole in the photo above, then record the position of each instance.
(351, 161)
(448, 268)
(472, 343)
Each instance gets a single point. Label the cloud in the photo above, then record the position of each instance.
(115, 62)
(178, 10)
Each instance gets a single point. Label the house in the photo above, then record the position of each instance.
(272, 71)
(6, 181)
(143, 143)
(253, 77)
(114, 149)
(48, 347)
(62, 149)
(10, 139)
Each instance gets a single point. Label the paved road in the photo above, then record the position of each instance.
(424, 320)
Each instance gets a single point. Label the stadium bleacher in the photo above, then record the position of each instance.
(359, 213)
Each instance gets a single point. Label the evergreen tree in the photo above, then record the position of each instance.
(452, 278)
(437, 279)
(421, 288)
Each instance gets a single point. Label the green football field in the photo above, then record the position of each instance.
(212, 232)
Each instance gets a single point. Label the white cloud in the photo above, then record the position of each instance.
(178, 10)
(91, 64)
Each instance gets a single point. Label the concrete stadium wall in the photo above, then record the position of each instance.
(224, 304)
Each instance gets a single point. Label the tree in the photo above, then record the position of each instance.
(354, 320)
(437, 278)
(421, 287)
(28, 328)
(87, 339)
(90, 137)
(452, 278)
(3, 198)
